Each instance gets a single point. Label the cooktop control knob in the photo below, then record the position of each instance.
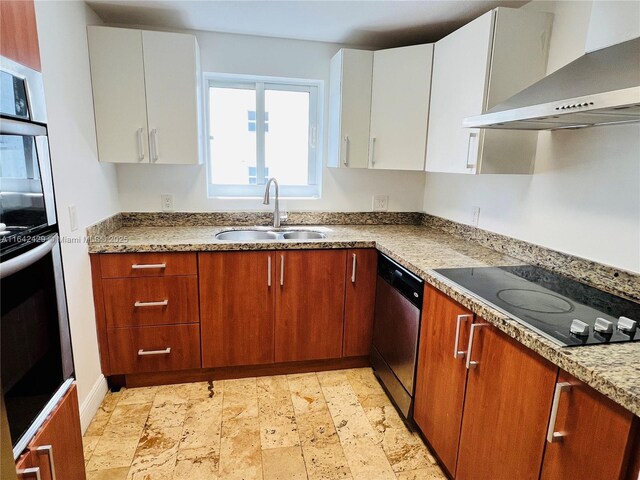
(627, 325)
(578, 327)
(603, 326)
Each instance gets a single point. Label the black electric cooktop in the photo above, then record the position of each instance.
(550, 304)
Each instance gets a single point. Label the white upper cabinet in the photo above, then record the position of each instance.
(400, 107)
(350, 108)
(119, 97)
(146, 95)
(474, 69)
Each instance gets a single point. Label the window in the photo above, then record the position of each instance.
(261, 127)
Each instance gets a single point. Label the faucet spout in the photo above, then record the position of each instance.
(276, 209)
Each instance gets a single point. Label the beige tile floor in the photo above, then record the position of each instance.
(325, 425)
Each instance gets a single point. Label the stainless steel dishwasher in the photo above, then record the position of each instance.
(395, 332)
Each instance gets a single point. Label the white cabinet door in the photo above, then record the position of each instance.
(170, 65)
(400, 107)
(350, 108)
(460, 71)
(117, 75)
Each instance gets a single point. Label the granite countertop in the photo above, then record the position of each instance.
(613, 370)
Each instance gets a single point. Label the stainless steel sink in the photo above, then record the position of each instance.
(254, 234)
(303, 235)
(244, 235)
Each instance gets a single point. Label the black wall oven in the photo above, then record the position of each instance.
(36, 361)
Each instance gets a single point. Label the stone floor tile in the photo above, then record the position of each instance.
(110, 474)
(240, 399)
(326, 462)
(101, 418)
(367, 460)
(113, 450)
(202, 424)
(128, 419)
(278, 426)
(283, 464)
(88, 446)
(197, 464)
(137, 395)
(240, 455)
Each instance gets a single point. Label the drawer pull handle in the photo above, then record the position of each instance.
(552, 435)
(459, 353)
(141, 266)
(143, 352)
(30, 473)
(472, 363)
(162, 303)
(48, 451)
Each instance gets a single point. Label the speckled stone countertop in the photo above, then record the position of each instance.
(613, 370)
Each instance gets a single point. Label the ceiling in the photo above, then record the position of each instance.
(373, 23)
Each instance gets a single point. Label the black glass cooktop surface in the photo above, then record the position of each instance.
(549, 303)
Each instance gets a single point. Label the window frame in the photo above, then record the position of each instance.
(313, 189)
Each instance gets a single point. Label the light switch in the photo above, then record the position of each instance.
(73, 218)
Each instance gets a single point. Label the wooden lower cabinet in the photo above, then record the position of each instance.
(237, 298)
(19, 33)
(442, 374)
(57, 443)
(309, 304)
(359, 303)
(506, 410)
(154, 349)
(595, 434)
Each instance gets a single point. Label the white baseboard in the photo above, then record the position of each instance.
(91, 404)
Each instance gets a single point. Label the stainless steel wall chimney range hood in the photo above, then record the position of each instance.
(599, 88)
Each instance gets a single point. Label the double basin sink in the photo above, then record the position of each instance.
(259, 234)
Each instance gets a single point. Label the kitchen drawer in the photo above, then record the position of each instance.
(154, 349)
(115, 265)
(136, 302)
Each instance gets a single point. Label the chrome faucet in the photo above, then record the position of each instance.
(276, 209)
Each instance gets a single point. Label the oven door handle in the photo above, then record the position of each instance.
(27, 259)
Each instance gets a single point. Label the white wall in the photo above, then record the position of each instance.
(584, 197)
(140, 186)
(78, 176)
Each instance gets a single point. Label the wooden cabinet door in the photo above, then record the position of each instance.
(18, 33)
(506, 408)
(309, 304)
(350, 108)
(595, 434)
(400, 107)
(442, 374)
(119, 98)
(63, 434)
(172, 87)
(360, 299)
(237, 308)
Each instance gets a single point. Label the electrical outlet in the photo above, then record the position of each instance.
(167, 202)
(380, 203)
(73, 218)
(475, 216)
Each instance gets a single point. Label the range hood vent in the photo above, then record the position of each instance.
(599, 88)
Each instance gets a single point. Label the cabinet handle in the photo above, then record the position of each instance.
(30, 472)
(347, 144)
(154, 142)
(552, 435)
(471, 363)
(459, 353)
(269, 271)
(162, 303)
(372, 151)
(140, 145)
(141, 266)
(353, 269)
(48, 451)
(281, 270)
(473, 139)
(143, 352)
